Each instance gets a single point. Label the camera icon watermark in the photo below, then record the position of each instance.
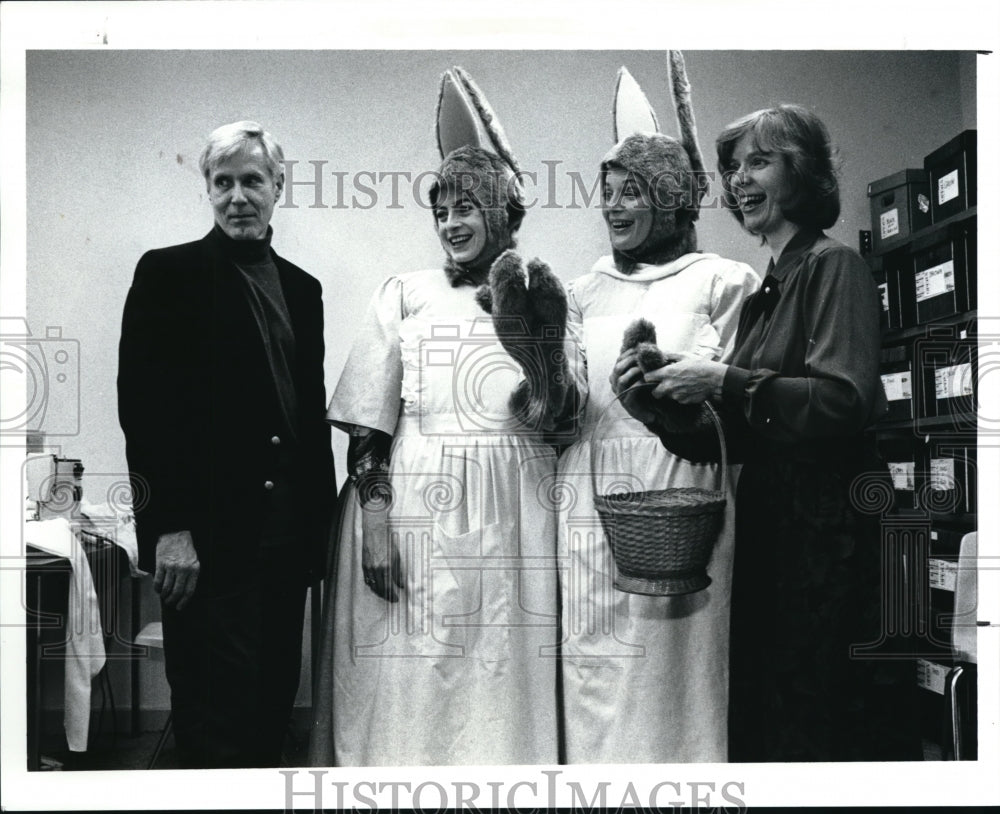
(470, 383)
(47, 370)
(985, 382)
(87, 521)
(474, 584)
(948, 366)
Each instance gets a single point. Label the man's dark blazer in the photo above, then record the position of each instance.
(200, 411)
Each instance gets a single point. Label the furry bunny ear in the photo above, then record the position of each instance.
(632, 111)
(465, 119)
(681, 89)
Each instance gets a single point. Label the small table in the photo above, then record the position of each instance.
(46, 592)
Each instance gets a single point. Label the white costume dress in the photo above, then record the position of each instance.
(462, 670)
(645, 679)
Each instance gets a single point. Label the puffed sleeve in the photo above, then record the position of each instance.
(370, 388)
(732, 285)
(838, 391)
(574, 340)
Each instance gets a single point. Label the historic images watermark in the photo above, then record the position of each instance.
(312, 790)
(551, 187)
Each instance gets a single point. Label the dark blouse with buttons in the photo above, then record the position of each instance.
(809, 579)
(805, 369)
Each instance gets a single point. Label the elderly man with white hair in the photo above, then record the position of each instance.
(221, 398)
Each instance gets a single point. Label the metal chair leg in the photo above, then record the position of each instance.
(167, 729)
(111, 703)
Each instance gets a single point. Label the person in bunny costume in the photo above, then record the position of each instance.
(645, 677)
(442, 625)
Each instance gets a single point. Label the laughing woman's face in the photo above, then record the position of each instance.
(627, 210)
(461, 227)
(762, 186)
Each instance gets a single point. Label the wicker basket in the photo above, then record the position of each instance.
(662, 540)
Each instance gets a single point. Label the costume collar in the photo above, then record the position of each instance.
(647, 273)
(459, 275)
(242, 251)
(801, 242)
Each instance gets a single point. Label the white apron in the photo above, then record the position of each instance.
(645, 679)
(462, 670)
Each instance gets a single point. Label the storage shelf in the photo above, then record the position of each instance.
(903, 242)
(962, 424)
(895, 336)
(935, 653)
(966, 422)
(964, 520)
(923, 439)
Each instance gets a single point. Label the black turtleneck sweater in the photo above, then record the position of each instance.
(267, 302)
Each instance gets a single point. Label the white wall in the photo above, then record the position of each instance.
(113, 139)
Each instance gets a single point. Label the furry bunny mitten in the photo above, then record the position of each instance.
(685, 429)
(638, 400)
(529, 308)
(641, 336)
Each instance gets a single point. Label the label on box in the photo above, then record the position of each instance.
(931, 676)
(889, 223)
(942, 474)
(942, 574)
(954, 381)
(902, 476)
(947, 187)
(897, 386)
(935, 281)
(883, 290)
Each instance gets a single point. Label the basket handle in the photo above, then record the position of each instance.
(706, 406)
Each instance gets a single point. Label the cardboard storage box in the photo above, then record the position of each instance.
(945, 372)
(904, 458)
(900, 206)
(896, 369)
(952, 169)
(940, 276)
(899, 281)
(951, 473)
(882, 284)
(971, 262)
(946, 543)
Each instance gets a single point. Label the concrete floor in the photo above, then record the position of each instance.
(122, 752)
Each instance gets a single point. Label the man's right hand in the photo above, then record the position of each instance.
(177, 569)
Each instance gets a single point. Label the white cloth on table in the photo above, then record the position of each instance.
(85, 653)
(117, 524)
(645, 678)
(462, 670)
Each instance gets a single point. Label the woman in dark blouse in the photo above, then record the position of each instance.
(812, 672)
